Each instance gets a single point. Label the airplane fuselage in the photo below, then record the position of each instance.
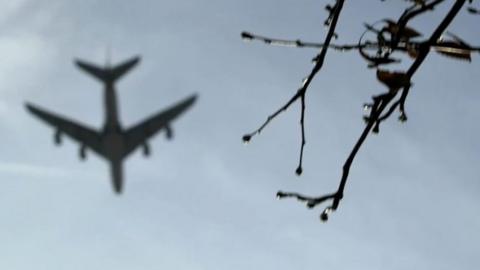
(113, 137)
(111, 108)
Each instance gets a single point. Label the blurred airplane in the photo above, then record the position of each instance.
(113, 142)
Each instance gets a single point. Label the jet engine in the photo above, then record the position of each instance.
(168, 132)
(58, 137)
(146, 149)
(83, 152)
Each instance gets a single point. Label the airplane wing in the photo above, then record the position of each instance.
(84, 135)
(141, 132)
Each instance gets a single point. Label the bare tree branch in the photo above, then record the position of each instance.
(401, 46)
(473, 10)
(380, 103)
(303, 44)
(393, 37)
(319, 59)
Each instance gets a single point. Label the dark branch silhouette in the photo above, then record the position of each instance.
(392, 37)
(452, 48)
(473, 10)
(301, 92)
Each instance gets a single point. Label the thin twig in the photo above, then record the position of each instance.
(402, 46)
(473, 10)
(408, 15)
(389, 112)
(319, 60)
(412, 12)
(411, 71)
(247, 137)
(299, 169)
(380, 104)
(303, 44)
(310, 201)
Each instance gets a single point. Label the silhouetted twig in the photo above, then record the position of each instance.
(473, 10)
(300, 94)
(380, 103)
(402, 46)
(392, 37)
(303, 44)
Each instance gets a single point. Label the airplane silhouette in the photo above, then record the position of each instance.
(113, 142)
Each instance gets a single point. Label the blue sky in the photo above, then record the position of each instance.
(204, 200)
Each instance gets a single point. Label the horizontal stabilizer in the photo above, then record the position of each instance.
(108, 74)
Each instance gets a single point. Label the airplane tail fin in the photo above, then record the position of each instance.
(108, 74)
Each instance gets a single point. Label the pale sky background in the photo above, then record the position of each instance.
(204, 201)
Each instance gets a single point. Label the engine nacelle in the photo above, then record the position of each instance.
(146, 149)
(58, 137)
(83, 152)
(168, 132)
